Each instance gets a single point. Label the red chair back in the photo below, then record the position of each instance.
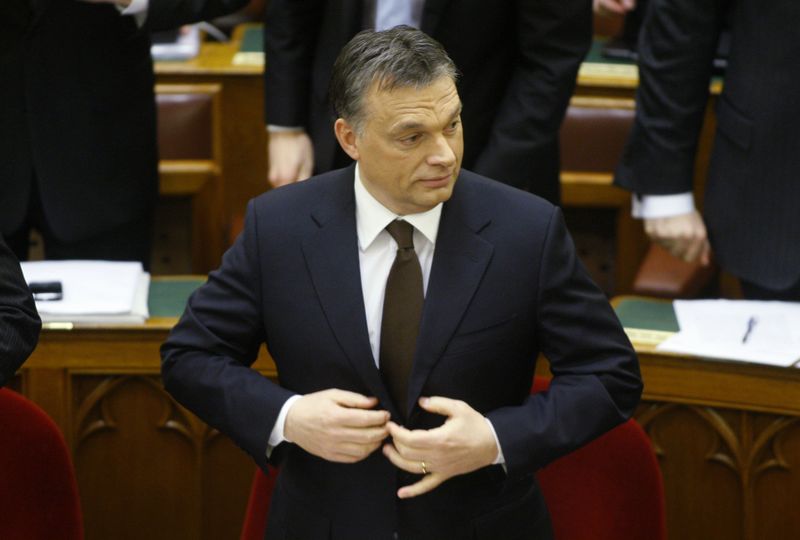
(255, 517)
(607, 490)
(38, 491)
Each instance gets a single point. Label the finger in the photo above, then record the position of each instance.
(408, 465)
(705, 254)
(345, 398)
(413, 444)
(693, 249)
(426, 484)
(306, 168)
(372, 435)
(440, 405)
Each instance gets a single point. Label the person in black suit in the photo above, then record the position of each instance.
(518, 61)
(750, 218)
(78, 156)
(492, 280)
(19, 321)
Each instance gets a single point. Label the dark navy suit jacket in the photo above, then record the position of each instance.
(505, 285)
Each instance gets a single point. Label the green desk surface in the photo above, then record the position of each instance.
(253, 41)
(646, 314)
(168, 299)
(168, 296)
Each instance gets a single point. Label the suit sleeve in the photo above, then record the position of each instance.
(554, 37)
(676, 47)
(19, 321)
(207, 357)
(291, 30)
(166, 14)
(596, 382)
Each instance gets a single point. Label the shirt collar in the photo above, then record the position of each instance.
(372, 217)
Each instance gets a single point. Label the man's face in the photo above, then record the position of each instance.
(410, 149)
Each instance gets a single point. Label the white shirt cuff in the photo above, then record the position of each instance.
(499, 460)
(276, 437)
(272, 128)
(137, 8)
(660, 206)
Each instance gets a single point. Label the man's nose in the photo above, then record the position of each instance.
(442, 153)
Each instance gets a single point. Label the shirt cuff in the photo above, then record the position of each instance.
(272, 128)
(137, 8)
(661, 206)
(276, 437)
(499, 460)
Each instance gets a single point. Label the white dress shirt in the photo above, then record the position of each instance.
(376, 253)
(661, 206)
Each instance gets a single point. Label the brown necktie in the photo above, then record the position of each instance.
(402, 310)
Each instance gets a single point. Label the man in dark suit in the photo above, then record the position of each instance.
(752, 196)
(78, 156)
(518, 61)
(19, 321)
(402, 297)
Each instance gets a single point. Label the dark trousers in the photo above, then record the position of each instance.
(131, 241)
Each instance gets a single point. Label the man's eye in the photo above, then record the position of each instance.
(411, 139)
(453, 125)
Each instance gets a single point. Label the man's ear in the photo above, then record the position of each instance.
(346, 136)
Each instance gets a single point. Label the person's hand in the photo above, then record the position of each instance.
(464, 443)
(619, 7)
(291, 157)
(336, 425)
(684, 236)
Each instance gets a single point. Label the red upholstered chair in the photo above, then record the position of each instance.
(38, 491)
(255, 517)
(611, 489)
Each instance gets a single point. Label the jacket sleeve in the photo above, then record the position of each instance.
(207, 357)
(19, 320)
(554, 37)
(291, 30)
(596, 383)
(676, 47)
(166, 14)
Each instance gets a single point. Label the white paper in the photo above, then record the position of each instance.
(93, 291)
(717, 329)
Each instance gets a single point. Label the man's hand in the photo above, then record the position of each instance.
(463, 444)
(336, 425)
(606, 7)
(684, 236)
(291, 157)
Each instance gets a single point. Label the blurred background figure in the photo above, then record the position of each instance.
(78, 156)
(751, 219)
(518, 62)
(19, 322)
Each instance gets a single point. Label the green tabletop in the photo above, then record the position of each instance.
(646, 314)
(168, 296)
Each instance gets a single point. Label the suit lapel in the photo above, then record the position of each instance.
(332, 258)
(459, 262)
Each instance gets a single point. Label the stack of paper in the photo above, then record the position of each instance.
(93, 291)
(745, 330)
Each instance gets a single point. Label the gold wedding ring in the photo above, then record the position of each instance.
(424, 468)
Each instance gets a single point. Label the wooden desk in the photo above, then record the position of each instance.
(727, 435)
(146, 467)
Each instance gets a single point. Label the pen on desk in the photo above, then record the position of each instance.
(751, 323)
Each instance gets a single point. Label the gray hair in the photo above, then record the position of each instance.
(399, 57)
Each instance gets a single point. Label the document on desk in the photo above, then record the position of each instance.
(744, 330)
(93, 291)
